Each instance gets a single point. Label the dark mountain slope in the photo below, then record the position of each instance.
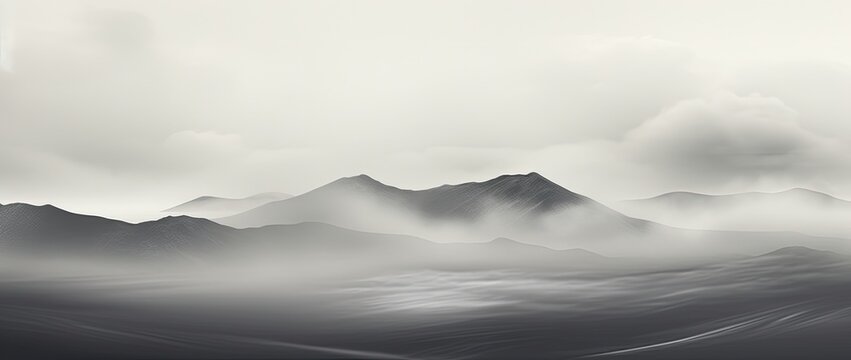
(48, 229)
(516, 206)
(50, 232)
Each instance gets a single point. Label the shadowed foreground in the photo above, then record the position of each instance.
(790, 304)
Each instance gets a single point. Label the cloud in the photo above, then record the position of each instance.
(723, 142)
(124, 33)
(7, 45)
(619, 82)
(817, 90)
(729, 136)
(131, 97)
(581, 87)
(717, 143)
(286, 96)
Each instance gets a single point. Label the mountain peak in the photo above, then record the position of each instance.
(358, 181)
(206, 197)
(532, 181)
(532, 175)
(206, 206)
(24, 207)
(361, 177)
(809, 192)
(799, 251)
(799, 189)
(178, 218)
(185, 219)
(503, 241)
(509, 201)
(688, 195)
(524, 194)
(803, 253)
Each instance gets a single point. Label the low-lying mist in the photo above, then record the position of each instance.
(326, 310)
(379, 277)
(590, 226)
(797, 211)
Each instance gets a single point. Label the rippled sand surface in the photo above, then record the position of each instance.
(760, 308)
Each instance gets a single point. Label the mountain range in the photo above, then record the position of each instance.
(212, 206)
(686, 199)
(527, 207)
(357, 217)
(49, 232)
(46, 229)
(799, 210)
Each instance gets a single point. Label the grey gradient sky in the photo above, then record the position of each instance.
(117, 107)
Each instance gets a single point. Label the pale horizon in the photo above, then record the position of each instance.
(152, 103)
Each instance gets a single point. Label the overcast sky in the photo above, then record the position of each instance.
(108, 106)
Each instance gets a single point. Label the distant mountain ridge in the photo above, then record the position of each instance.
(47, 231)
(505, 206)
(526, 207)
(46, 228)
(684, 196)
(798, 209)
(213, 206)
(346, 217)
(530, 194)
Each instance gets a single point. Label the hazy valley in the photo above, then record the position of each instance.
(425, 180)
(313, 276)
